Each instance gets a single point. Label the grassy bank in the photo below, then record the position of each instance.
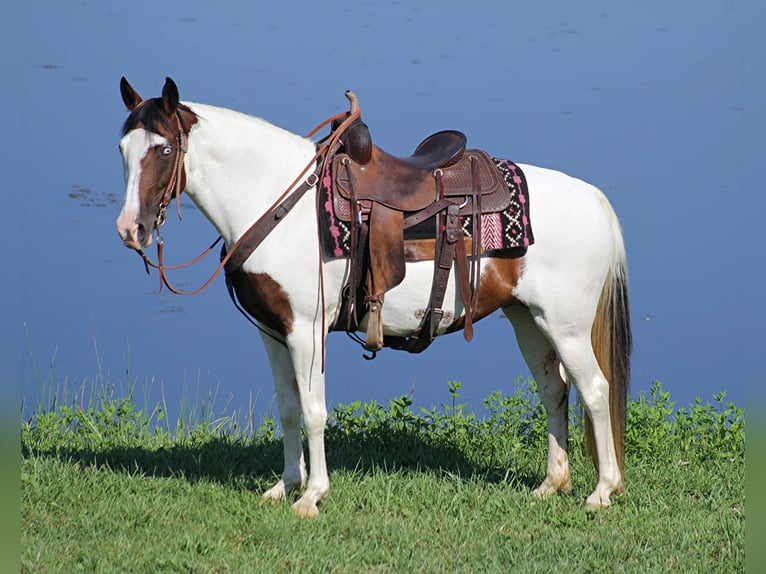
(106, 489)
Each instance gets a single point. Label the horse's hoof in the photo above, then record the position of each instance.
(543, 491)
(597, 501)
(548, 487)
(305, 509)
(275, 494)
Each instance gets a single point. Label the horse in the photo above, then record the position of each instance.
(566, 295)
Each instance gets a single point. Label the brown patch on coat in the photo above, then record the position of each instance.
(500, 276)
(262, 297)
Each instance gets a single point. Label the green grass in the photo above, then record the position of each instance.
(105, 488)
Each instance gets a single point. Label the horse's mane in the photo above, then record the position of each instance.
(149, 115)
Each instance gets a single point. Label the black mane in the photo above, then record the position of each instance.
(150, 114)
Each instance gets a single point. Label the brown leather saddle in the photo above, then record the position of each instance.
(380, 196)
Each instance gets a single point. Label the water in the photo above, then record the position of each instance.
(660, 107)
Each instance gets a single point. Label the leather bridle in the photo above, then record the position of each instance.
(173, 188)
(258, 231)
(261, 228)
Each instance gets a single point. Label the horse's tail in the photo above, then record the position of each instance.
(612, 341)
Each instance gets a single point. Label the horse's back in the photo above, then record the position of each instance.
(577, 238)
(559, 201)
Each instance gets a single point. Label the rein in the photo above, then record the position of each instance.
(259, 230)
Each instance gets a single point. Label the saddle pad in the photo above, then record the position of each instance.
(506, 229)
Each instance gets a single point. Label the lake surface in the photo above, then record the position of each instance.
(659, 105)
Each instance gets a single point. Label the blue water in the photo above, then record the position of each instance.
(660, 106)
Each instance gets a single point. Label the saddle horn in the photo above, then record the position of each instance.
(353, 100)
(357, 139)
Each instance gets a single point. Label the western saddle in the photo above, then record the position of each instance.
(379, 196)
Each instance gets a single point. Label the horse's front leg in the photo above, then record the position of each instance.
(289, 406)
(306, 352)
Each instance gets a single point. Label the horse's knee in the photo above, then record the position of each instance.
(314, 418)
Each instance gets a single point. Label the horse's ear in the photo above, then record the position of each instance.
(170, 97)
(129, 96)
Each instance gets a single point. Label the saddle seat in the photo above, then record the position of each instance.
(401, 183)
(437, 150)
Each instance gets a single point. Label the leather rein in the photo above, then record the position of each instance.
(259, 230)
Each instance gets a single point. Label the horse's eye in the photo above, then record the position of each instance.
(167, 150)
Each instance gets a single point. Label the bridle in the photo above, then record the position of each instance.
(174, 184)
(261, 228)
(258, 231)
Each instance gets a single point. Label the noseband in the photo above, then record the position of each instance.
(173, 187)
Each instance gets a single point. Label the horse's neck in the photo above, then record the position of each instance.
(239, 165)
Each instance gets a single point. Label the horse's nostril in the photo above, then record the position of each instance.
(141, 233)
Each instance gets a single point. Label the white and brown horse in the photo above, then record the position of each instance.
(566, 298)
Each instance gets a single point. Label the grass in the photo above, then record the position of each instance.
(105, 488)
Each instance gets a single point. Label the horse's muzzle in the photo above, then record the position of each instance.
(134, 235)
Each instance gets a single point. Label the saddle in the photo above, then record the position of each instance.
(381, 195)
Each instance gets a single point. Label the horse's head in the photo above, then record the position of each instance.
(153, 146)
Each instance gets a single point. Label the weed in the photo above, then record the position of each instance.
(107, 486)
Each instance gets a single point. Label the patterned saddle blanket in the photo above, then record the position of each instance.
(508, 229)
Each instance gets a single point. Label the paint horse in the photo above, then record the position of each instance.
(567, 296)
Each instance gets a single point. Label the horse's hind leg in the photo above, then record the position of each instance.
(554, 394)
(583, 370)
(289, 405)
(571, 339)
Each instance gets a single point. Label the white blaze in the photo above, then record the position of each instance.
(134, 147)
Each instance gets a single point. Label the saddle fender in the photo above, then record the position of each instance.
(386, 247)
